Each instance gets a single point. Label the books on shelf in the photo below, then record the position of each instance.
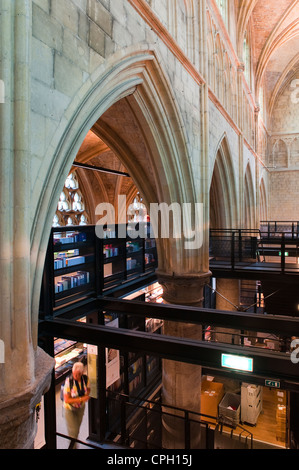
(132, 247)
(131, 263)
(109, 234)
(110, 251)
(68, 258)
(60, 360)
(75, 260)
(69, 237)
(70, 281)
(149, 258)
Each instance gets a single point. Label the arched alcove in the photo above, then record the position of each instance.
(223, 200)
(280, 154)
(157, 162)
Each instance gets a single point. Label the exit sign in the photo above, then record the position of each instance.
(272, 383)
(242, 363)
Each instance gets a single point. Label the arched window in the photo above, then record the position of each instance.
(137, 211)
(70, 208)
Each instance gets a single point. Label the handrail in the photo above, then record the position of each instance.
(143, 403)
(245, 246)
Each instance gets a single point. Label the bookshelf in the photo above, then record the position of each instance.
(79, 264)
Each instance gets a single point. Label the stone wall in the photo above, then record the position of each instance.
(284, 195)
(74, 61)
(283, 157)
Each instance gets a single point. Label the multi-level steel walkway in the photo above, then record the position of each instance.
(270, 253)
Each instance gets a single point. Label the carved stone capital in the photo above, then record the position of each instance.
(185, 289)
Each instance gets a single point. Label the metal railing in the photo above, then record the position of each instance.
(141, 420)
(273, 229)
(237, 246)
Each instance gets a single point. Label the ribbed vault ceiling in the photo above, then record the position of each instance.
(275, 37)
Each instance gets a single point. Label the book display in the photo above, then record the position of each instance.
(80, 264)
(70, 269)
(66, 354)
(124, 258)
(138, 372)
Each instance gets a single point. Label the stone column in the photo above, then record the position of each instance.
(181, 382)
(227, 298)
(25, 372)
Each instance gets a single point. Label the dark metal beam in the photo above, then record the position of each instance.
(280, 324)
(85, 166)
(267, 364)
(284, 325)
(255, 274)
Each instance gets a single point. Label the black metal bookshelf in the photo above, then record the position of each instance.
(79, 264)
(81, 267)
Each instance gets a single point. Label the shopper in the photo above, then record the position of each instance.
(76, 394)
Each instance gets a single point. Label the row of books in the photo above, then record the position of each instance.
(61, 258)
(67, 262)
(63, 283)
(149, 258)
(62, 344)
(133, 247)
(69, 237)
(63, 359)
(131, 263)
(110, 250)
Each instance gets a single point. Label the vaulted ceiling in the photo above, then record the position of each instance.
(275, 41)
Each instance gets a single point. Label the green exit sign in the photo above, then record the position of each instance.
(242, 363)
(272, 383)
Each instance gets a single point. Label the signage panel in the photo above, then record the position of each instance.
(242, 363)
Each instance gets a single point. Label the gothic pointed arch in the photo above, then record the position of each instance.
(280, 154)
(246, 9)
(223, 194)
(160, 165)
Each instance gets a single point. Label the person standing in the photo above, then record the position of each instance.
(76, 394)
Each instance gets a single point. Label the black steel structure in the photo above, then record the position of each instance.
(60, 321)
